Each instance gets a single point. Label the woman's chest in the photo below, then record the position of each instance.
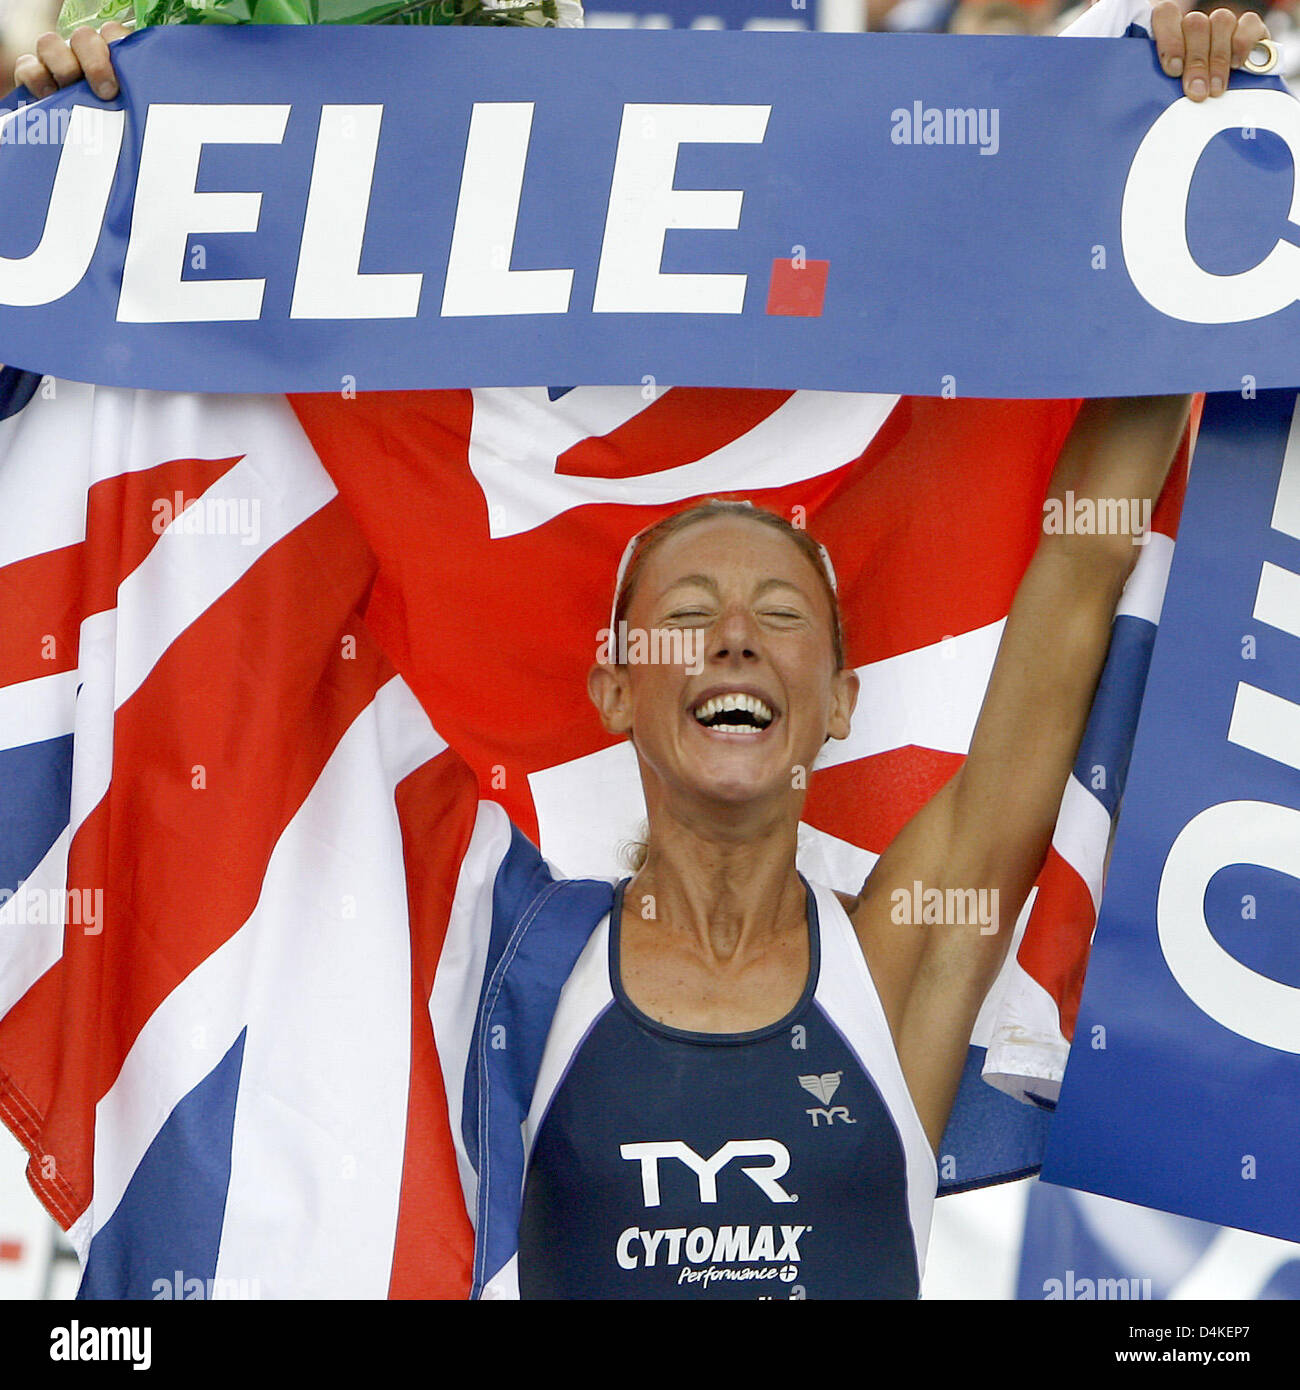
(675, 986)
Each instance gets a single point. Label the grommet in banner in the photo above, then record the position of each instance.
(1256, 64)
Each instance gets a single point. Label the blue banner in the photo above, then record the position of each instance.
(300, 209)
(1183, 1083)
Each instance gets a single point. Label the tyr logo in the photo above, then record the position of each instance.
(824, 1086)
(706, 1170)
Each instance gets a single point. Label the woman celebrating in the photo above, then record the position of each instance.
(747, 1076)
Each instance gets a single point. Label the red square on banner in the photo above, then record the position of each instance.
(11, 1249)
(798, 288)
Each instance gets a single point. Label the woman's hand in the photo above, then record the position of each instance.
(1202, 48)
(58, 62)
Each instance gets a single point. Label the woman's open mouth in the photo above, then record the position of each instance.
(734, 712)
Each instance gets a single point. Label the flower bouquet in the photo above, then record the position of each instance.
(549, 13)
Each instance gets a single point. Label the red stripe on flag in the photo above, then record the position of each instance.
(868, 801)
(40, 598)
(1054, 949)
(931, 533)
(118, 540)
(434, 1248)
(682, 426)
(258, 692)
(1169, 505)
(46, 597)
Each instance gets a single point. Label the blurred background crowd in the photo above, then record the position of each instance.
(21, 23)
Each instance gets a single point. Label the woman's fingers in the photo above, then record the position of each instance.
(58, 60)
(57, 63)
(1251, 29)
(1196, 56)
(1223, 24)
(1167, 30)
(31, 73)
(1203, 48)
(91, 51)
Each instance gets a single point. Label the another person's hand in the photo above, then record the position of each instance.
(58, 62)
(1203, 48)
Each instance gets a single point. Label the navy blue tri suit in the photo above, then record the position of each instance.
(788, 1162)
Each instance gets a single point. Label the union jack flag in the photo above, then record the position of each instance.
(278, 675)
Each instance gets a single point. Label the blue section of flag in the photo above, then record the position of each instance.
(35, 803)
(991, 1137)
(1102, 763)
(521, 876)
(519, 1001)
(168, 1224)
(17, 387)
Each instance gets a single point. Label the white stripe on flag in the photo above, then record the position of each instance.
(184, 575)
(517, 437)
(930, 697)
(92, 742)
(1144, 594)
(36, 710)
(44, 472)
(1026, 1048)
(27, 949)
(320, 1128)
(587, 809)
(825, 858)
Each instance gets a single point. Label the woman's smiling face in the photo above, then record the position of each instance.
(767, 694)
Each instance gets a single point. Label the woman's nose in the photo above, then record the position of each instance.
(734, 634)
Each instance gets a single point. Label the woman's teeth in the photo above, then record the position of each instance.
(734, 714)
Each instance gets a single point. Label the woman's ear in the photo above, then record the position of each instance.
(844, 698)
(608, 688)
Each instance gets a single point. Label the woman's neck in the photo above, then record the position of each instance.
(728, 895)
